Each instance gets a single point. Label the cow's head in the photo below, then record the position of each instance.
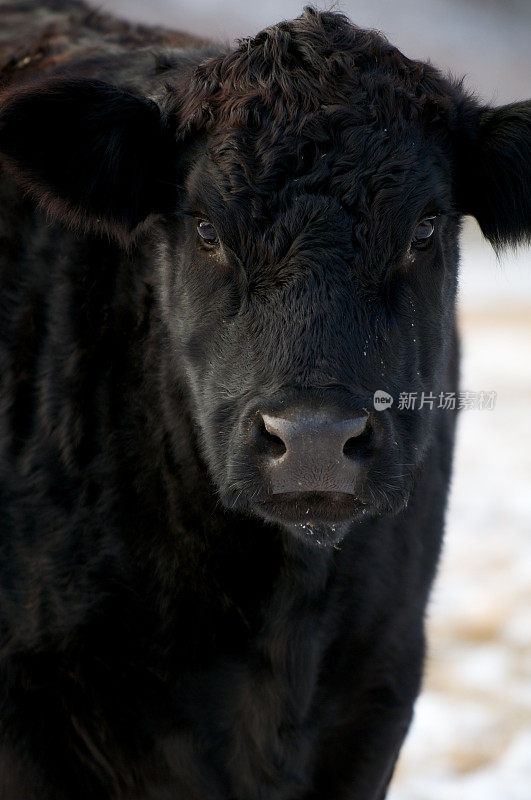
(311, 184)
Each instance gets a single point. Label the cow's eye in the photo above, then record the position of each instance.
(423, 231)
(207, 232)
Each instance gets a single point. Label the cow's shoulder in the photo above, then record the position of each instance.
(39, 38)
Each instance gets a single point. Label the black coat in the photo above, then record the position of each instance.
(169, 626)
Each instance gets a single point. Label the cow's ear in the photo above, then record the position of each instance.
(493, 175)
(92, 154)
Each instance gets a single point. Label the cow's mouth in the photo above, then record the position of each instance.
(309, 510)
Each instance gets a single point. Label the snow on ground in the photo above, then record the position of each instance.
(471, 737)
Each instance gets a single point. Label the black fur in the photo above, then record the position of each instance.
(94, 179)
(168, 629)
(494, 179)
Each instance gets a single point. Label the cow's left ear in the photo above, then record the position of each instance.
(493, 172)
(92, 154)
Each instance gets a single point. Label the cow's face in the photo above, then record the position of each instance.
(308, 260)
(293, 293)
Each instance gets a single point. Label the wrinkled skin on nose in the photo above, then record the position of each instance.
(320, 451)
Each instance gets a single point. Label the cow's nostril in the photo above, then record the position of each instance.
(270, 441)
(360, 444)
(313, 450)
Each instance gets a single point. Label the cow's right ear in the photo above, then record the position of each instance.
(493, 171)
(90, 153)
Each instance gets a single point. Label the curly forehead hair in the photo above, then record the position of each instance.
(317, 106)
(315, 64)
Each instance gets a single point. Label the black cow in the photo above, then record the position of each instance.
(215, 553)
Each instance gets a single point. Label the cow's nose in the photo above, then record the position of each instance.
(314, 451)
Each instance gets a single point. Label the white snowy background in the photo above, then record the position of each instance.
(471, 738)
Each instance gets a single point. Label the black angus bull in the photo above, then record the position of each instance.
(215, 553)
